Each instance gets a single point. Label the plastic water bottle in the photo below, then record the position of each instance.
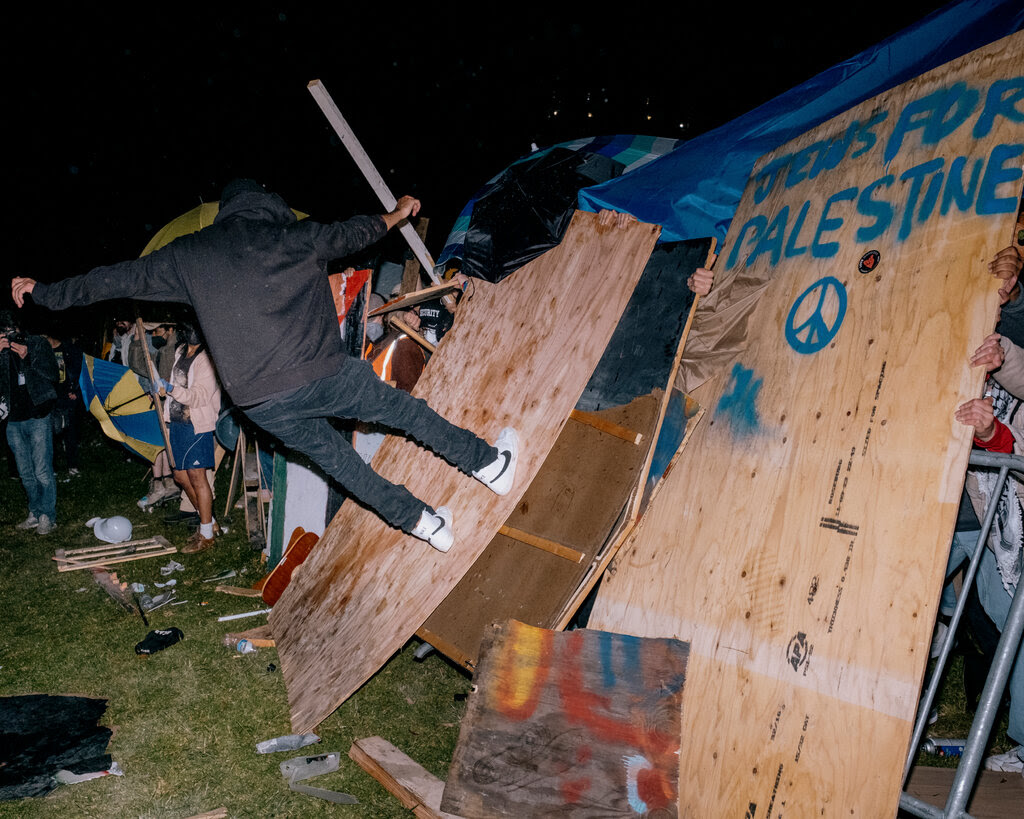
(289, 742)
(245, 647)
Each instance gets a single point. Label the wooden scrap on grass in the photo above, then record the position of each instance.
(98, 556)
(261, 637)
(403, 777)
(117, 590)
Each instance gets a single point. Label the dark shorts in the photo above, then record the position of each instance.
(191, 451)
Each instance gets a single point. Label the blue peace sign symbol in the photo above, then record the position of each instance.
(816, 331)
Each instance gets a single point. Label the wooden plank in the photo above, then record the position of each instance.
(370, 172)
(542, 543)
(594, 420)
(369, 579)
(408, 300)
(403, 777)
(800, 542)
(572, 724)
(72, 559)
(997, 795)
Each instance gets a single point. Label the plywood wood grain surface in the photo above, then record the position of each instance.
(799, 544)
(519, 354)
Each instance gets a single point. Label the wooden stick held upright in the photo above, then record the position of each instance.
(154, 389)
(380, 187)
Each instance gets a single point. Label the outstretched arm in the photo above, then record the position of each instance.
(21, 287)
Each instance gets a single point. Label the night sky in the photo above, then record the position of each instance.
(122, 122)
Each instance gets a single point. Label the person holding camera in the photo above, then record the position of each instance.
(28, 378)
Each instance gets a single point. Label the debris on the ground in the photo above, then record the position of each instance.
(117, 590)
(173, 566)
(69, 778)
(300, 768)
(227, 617)
(100, 556)
(288, 742)
(261, 637)
(159, 639)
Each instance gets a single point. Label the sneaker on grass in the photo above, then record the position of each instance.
(1010, 762)
(45, 526)
(31, 522)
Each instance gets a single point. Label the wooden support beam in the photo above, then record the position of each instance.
(542, 543)
(597, 422)
(154, 389)
(403, 777)
(405, 328)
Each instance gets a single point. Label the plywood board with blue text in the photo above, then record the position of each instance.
(800, 542)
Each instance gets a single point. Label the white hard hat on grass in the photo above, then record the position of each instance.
(111, 530)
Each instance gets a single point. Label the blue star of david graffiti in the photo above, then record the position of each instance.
(815, 332)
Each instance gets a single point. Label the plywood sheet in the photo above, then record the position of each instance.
(800, 541)
(520, 355)
(573, 724)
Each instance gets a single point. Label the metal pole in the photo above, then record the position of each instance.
(1006, 652)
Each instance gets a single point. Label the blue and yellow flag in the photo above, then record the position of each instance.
(113, 395)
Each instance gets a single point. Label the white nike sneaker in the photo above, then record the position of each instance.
(500, 473)
(436, 528)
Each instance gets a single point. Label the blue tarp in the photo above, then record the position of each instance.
(693, 191)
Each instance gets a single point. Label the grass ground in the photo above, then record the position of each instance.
(186, 720)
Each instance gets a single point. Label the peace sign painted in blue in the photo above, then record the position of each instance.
(817, 329)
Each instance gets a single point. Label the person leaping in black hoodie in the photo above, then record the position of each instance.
(256, 279)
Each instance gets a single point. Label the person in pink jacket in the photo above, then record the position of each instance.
(191, 410)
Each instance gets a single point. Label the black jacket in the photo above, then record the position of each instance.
(40, 368)
(257, 280)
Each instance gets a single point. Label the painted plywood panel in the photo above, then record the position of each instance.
(572, 724)
(805, 566)
(520, 355)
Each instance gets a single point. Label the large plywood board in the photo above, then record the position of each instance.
(800, 542)
(519, 355)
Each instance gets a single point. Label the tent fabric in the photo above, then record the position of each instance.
(693, 191)
(629, 152)
(113, 395)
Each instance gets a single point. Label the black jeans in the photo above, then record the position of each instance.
(299, 419)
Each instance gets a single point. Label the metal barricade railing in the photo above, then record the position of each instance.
(1006, 651)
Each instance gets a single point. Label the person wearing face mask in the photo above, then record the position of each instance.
(191, 411)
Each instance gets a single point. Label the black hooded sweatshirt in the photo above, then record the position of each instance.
(257, 280)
